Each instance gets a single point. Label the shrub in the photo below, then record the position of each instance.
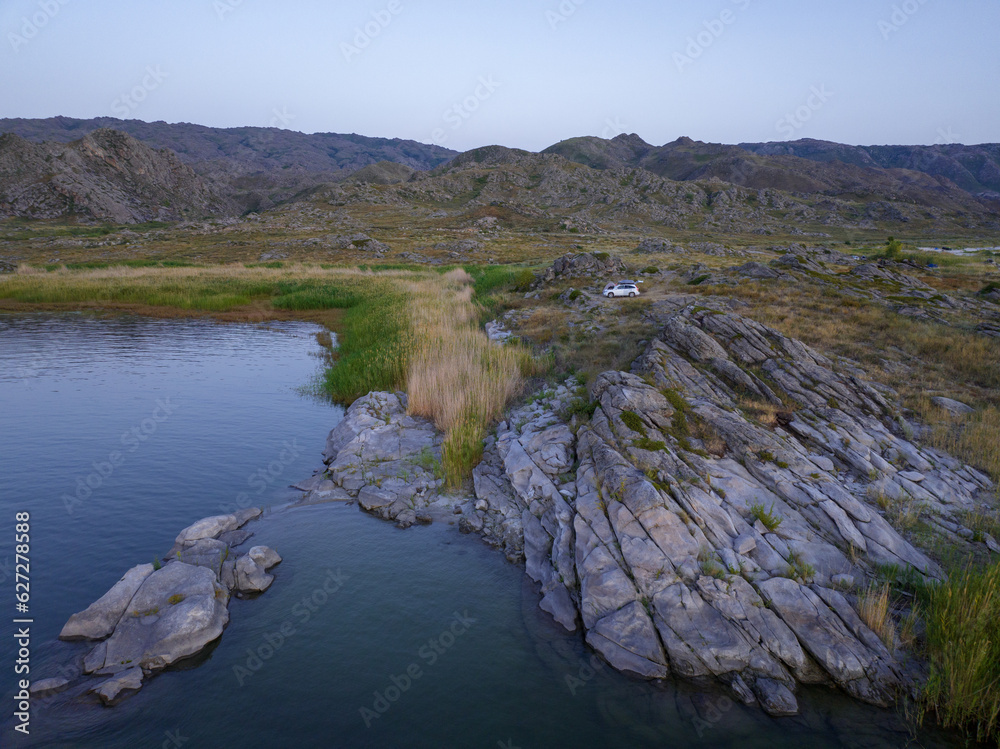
(767, 517)
(524, 280)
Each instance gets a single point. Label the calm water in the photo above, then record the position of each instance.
(361, 619)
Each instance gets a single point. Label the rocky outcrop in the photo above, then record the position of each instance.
(359, 241)
(655, 245)
(156, 616)
(387, 460)
(883, 271)
(720, 511)
(108, 176)
(586, 264)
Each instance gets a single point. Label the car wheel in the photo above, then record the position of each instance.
(631, 294)
(610, 295)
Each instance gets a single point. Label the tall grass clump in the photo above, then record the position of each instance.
(962, 619)
(458, 377)
(875, 609)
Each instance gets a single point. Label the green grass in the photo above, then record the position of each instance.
(461, 451)
(962, 620)
(376, 342)
(491, 282)
(634, 422)
(375, 329)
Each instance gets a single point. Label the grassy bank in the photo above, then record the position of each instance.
(398, 329)
(367, 311)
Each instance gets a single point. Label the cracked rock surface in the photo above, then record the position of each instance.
(387, 460)
(718, 513)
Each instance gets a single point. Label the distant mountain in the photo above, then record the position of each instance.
(547, 191)
(975, 169)
(587, 183)
(924, 175)
(105, 176)
(259, 165)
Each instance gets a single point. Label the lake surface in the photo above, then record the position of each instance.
(417, 638)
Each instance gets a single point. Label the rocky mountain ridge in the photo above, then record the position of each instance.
(105, 176)
(944, 176)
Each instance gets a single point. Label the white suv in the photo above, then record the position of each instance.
(625, 288)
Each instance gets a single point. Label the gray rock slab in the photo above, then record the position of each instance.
(99, 619)
(44, 687)
(114, 690)
(176, 612)
(954, 407)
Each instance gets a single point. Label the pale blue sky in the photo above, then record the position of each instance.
(523, 73)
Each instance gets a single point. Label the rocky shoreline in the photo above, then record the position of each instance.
(713, 513)
(717, 515)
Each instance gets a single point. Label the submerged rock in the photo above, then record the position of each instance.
(115, 689)
(45, 687)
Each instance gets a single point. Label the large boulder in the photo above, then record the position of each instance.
(177, 611)
(585, 264)
(156, 616)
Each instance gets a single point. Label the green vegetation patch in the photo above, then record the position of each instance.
(633, 421)
(962, 620)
